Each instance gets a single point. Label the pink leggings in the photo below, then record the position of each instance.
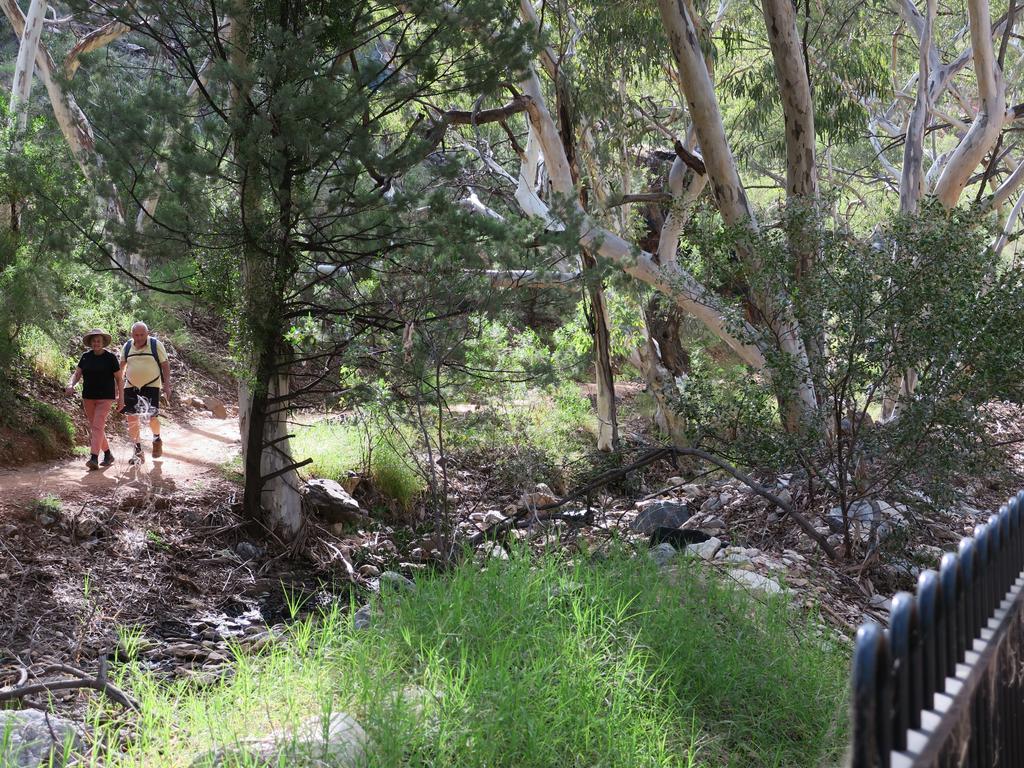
(96, 413)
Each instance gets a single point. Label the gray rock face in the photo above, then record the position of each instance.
(662, 554)
(29, 738)
(668, 514)
(339, 743)
(363, 618)
(396, 581)
(332, 503)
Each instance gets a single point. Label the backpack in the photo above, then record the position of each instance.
(151, 353)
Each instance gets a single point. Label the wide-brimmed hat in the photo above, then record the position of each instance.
(87, 338)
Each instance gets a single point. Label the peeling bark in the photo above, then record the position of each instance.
(95, 40)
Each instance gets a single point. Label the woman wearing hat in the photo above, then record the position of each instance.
(103, 384)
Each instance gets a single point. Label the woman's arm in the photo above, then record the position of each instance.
(70, 388)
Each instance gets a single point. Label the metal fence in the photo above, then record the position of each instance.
(944, 684)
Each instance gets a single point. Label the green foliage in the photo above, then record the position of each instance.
(537, 438)
(921, 295)
(574, 340)
(529, 663)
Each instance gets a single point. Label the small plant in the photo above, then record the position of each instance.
(130, 641)
(47, 506)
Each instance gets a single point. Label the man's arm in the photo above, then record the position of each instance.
(165, 370)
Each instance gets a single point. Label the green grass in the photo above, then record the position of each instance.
(335, 447)
(338, 448)
(528, 663)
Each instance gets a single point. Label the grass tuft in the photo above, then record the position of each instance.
(527, 663)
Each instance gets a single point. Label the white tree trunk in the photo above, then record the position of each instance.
(21, 85)
(71, 120)
(731, 197)
(989, 120)
(282, 495)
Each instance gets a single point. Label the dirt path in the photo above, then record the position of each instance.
(192, 450)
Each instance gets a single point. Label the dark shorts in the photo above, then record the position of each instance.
(134, 397)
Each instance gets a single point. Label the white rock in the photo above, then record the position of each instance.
(756, 581)
(493, 518)
(705, 550)
(711, 504)
(340, 743)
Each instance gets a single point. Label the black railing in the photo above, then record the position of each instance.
(944, 684)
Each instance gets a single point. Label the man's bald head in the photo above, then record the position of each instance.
(140, 334)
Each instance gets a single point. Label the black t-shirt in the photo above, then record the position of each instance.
(98, 375)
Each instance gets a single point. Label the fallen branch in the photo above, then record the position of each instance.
(82, 680)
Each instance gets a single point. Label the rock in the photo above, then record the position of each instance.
(197, 403)
(340, 743)
(498, 553)
(369, 570)
(734, 556)
(332, 503)
(680, 538)
(713, 525)
(705, 550)
(880, 601)
(363, 618)
(246, 550)
(540, 496)
(396, 581)
(216, 407)
(711, 504)
(493, 518)
(46, 514)
(30, 738)
(662, 554)
(755, 581)
(661, 514)
(351, 481)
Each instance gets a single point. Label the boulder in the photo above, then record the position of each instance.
(755, 581)
(332, 503)
(661, 514)
(340, 743)
(216, 407)
(31, 738)
(705, 550)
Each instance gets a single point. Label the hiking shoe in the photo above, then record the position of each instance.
(108, 459)
(138, 458)
(158, 447)
(92, 464)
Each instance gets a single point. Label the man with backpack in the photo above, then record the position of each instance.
(147, 374)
